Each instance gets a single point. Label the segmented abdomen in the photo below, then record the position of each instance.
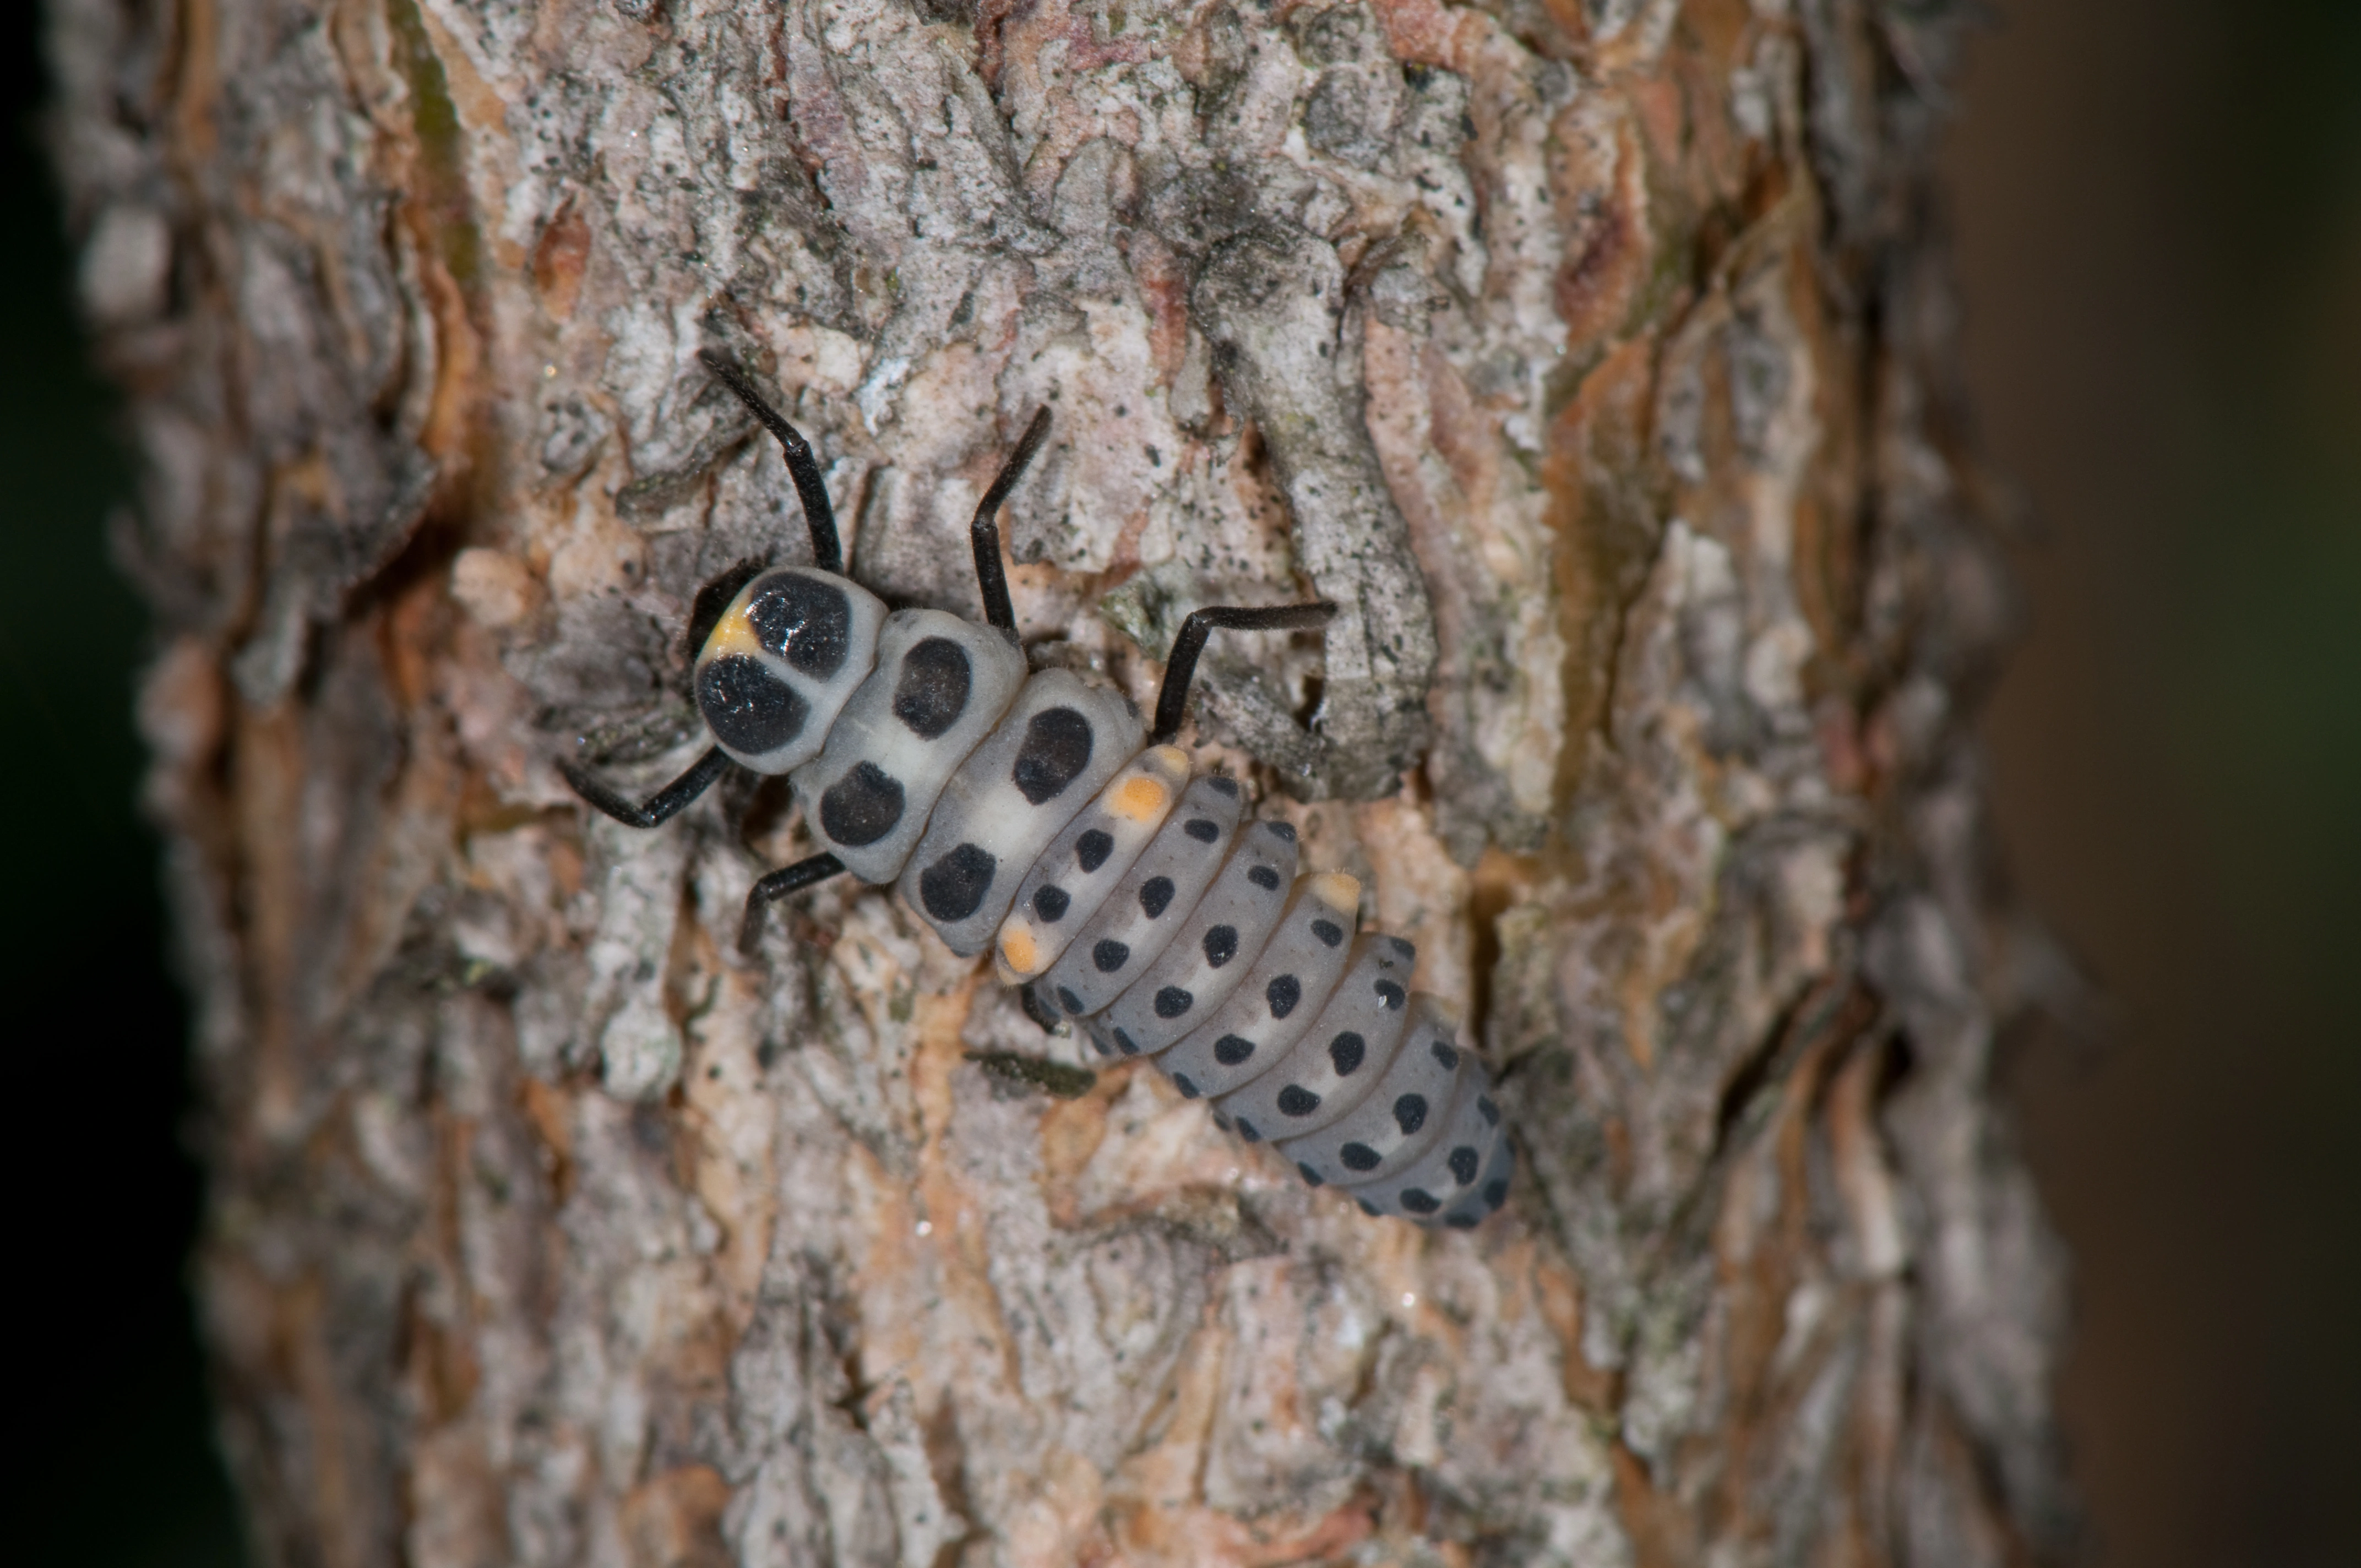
(1021, 813)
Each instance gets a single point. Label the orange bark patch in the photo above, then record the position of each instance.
(1559, 1295)
(1609, 256)
(558, 258)
(1424, 32)
(673, 1521)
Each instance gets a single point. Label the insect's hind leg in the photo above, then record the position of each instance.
(658, 807)
(1181, 668)
(778, 884)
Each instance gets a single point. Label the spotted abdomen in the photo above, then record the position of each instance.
(1283, 990)
(1202, 959)
(1061, 741)
(1136, 921)
(1086, 861)
(940, 686)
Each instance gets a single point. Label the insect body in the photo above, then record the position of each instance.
(1028, 813)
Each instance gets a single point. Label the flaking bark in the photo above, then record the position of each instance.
(1592, 355)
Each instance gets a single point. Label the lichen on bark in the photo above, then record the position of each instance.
(1590, 354)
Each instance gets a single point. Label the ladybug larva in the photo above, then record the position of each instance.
(1026, 813)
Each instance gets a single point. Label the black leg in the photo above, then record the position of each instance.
(1038, 1010)
(667, 802)
(1181, 668)
(820, 516)
(803, 873)
(984, 532)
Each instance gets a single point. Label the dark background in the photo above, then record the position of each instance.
(2157, 207)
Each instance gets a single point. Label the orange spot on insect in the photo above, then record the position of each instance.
(735, 633)
(1018, 949)
(1337, 891)
(1139, 799)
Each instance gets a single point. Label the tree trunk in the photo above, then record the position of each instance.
(1593, 355)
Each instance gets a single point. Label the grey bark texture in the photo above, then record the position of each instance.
(1593, 355)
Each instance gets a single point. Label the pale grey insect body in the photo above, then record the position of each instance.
(1147, 906)
(1401, 1114)
(1205, 955)
(1060, 741)
(939, 686)
(781, 664)
(1279, 995)
(1351, 1042)
(1082, 864)
(1160, 890)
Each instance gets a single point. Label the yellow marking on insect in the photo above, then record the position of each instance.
(1174, 759)
(735, 633)
(1139, 799)
(1018, 949)
(1337, 891)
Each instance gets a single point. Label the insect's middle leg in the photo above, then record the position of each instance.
(807, 872)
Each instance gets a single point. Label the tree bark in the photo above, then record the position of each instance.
(1594, 355)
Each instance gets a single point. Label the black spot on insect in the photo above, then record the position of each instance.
(1297, 1101)
(1410, 1113)
(1070, 1001)
(1154, 895)
(1496, 1193)
(1187, 1090)
(1463, 1164)
(1246, 1130)
(1371, 1210)
(1221, 1120)
(1110, 954)
(1232, 1049)
(747, 707)
(1264, 877)
(1281, 830)
(1057, 749)
(1403, 949)
(1172, 1002)
(1226, 788)
(1360, 1156)
(1102, 1047)
(862, 807)
(1328, 931)
(953, 887)
(933, 690)
(1203, 829)
(1051, 903)
(1463, 1221)
(1221, 945)
(1283, 992)
(804, 621)
(1125, 1044)
(1092, 850)
(1489, 1111)
(1344, 1053)
(1391, 996)
(1311, 1177)
(1447, 1056)
(1418, 1200)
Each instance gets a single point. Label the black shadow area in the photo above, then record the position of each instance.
(111, 1433)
